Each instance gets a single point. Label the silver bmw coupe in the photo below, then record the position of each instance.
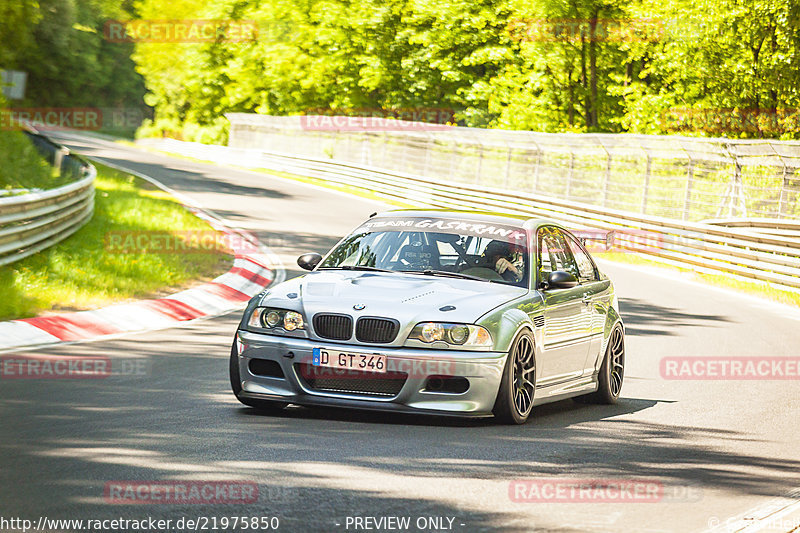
(436, 312)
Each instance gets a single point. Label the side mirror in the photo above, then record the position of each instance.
(560, 280)
(309, 261)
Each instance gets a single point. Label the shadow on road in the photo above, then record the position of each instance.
(645, 318)
(62, 440)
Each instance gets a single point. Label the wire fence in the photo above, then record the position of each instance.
(768, 253)
(682, 178)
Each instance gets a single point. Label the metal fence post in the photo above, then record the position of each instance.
(741, 206)
(733, 193)
(478, 166)
(737, 188)
(607, 177)
(58, 160)
(365, 156)
(454, 159)
(646, 190)
(688, 194)
(426, 163)
(536, 169)
(569, 176)
(784, 197)
(508, 166)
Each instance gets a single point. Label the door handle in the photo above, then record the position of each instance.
(587, 299)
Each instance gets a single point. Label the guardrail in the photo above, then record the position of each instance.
(686, 178)
(31, 222)
(709, 248)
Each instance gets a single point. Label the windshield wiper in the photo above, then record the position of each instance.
(357, 267)
(447, 273)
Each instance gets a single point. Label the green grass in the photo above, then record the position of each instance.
(80, 273)
(22, 166)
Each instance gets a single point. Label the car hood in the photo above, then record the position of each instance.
(409, 298)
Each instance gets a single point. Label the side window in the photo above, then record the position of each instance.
(586, 268)
(555, 253)
(545, 265)
(568, 263)
(551, 251)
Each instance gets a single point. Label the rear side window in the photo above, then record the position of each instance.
(553, 252)
(559, 251)
(586, 268)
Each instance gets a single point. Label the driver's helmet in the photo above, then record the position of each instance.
(496, 248)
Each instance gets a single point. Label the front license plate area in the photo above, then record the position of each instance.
(364, 362)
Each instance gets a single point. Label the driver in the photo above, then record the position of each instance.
(506, 259)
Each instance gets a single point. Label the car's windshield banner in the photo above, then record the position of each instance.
(512, 234)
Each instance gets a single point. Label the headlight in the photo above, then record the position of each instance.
(292, 321)
(456, 334)
(268, 318)
(272, 318)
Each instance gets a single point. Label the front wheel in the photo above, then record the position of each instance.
(611, 372)
(236, 386)
(518, 384)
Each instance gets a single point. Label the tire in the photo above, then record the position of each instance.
(612, 372)
(518, 385)
(236, 385)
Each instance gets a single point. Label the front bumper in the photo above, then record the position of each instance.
(482, 371)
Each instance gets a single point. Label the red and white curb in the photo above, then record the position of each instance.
(254, 268)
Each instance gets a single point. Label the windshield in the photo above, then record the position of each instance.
(438, 247)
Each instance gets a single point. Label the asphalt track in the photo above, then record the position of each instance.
(718, 448)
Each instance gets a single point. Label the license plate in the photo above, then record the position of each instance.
(366, 362)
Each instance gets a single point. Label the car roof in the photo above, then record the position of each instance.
(523, 221)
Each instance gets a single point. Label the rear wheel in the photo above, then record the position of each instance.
(236, 386)
(611, 372)
(518, 384)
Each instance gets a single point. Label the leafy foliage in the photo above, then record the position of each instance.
(727, 67)
(69, 61)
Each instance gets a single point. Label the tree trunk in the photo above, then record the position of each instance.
(587, 107)
(591, 119)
